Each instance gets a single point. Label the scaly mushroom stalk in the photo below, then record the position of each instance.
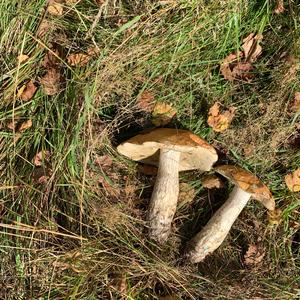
(216, 230)
(164, 198)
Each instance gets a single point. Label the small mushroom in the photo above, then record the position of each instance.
(172, 150)
(215, 231)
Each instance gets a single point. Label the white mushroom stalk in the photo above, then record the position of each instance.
(164, 197)
(216, 230)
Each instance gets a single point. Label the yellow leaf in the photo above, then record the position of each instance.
(55, 8)
(220, 121)
(22, 58)
(162, 114)
(292, 180)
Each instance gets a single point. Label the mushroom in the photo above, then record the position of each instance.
(172, 150)
(215, 231)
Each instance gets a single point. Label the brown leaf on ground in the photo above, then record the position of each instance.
(243, 70)
(51, 59)
(29, 91)
(292, 180)
(147, 170)
(274, 216)
(25, 125)
(104, 161)
(41, 157)
(44, 28)
(279, 7)
(254, 256)
(55, 8)
(162, 114)
(212, 182)
(186, 193)
(22, 58)
(145, 101)
(51, 81)
(220, 121)
(227, 66)
(78, 59)
(251, 47)
(296, 103)
(119, 284)
(93, 51)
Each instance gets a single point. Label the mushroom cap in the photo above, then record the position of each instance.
(249, 183)
(196, 153)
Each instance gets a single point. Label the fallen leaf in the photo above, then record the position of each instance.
(279, 7)
(243, 70)
(22, 58)
(104, 161)
(145, 101)
(51, 59)
(212, 181)
(227, 64)
(51, 81)
(220, 121)
(29, 91)
(186, 194)
(292, 180)
(251, 47)
(55, 8)
(41, 157)
(274, 216)
(25, 125)
(78, 59)
(162, 114)
(147, 170)
(296, 103)
(119, 284)
(254, 256)
(44, 28)
(93, 50)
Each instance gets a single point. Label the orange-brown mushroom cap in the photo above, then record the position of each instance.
(196, 153)
(249, 183)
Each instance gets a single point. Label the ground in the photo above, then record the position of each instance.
(73, 219)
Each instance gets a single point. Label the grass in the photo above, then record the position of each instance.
(76, 235)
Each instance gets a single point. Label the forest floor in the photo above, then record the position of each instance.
(78, 78)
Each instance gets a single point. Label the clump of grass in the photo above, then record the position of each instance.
(69, 237)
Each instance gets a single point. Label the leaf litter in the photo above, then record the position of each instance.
(28, 91)
(292, 180)
(254, 256)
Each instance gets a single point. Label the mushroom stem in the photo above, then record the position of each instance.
(165, 195)
(216, 230)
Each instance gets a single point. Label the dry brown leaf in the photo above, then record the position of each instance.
(22, 58)
(93, 51)
(254, 256)
(227, 66)
(162, 114)
(55, 8)
(25, 125)
(279, 7)
(119, 284)
(145, 101)
(104, 161)
(44, 28)
(220, 121)
(243, 70)
(29, 91)
(292, 180)
(78, 59)
(51, 81)
(251, 47)
(296, 103)
(274, 216)
(41, 157)
(186, 193)
(51, 59)
(212, 181)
